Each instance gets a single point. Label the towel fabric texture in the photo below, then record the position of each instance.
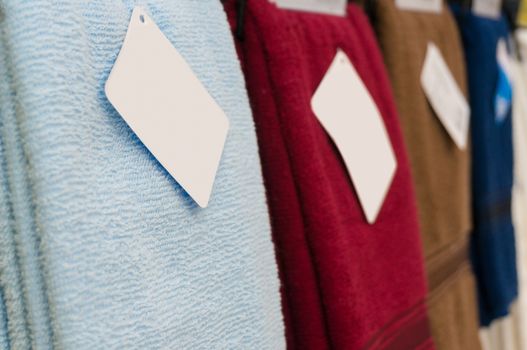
(441, 171)
(102, 248)
(4, 227)
(4, 344)
(346, 284)
(492, 245)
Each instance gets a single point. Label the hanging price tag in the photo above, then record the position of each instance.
(445, 96)
(350, 116)
(165, 104)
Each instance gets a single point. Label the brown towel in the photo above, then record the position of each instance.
(440, 169)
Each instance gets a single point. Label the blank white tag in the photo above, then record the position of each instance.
(487, 8)
(346, 110)
(165, 104)
(504, 58)
(331, 7)
(420, 5)
(503, 98)
(445, 96)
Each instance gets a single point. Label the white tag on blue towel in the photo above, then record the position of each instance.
(503, 98)
(164, 103)
(445, 96)
(350, 116)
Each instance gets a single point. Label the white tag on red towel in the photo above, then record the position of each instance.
(350, 116)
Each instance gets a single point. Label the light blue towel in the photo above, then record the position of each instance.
(10, 275)
(108, 251)
(4, 343)
(4, 255)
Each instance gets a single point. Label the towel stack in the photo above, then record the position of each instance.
(99, 246)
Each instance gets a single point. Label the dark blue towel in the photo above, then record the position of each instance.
(492, 246)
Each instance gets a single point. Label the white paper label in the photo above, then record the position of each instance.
(165, 104)
(504, 58)
(331, 7)
(487, 8)
(420, 5)
(445, 96)
(348, 113)
(503, 98)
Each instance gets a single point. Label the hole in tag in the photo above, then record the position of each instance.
(142, 18)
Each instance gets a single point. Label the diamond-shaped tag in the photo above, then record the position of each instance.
(350, 116)
(164, 103)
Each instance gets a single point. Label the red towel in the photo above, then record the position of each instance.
(346, 284)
